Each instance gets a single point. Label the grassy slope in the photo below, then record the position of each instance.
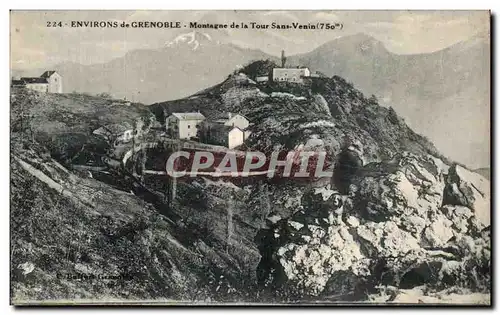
(63, 223)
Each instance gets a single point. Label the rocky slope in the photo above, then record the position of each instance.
(411, 217)
(408, 221)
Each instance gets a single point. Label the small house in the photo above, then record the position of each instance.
(54, 80)
(119, 133)
(294, 75)
(48, 82)
(228, 136)
(183, 125)
(225, 129)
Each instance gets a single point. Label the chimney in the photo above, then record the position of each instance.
(283, 59)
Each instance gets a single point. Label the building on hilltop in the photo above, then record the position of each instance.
(183, 125)
(48, 82)
(295, 75)
(36, 84)
(55, 81)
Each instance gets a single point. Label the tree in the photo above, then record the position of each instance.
(373, 100)
(259, 68)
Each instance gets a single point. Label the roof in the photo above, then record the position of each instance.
(114, 129)
(34, 80)
(18, 82)
(223, 116)
(223, 128)
(47, 74)
(189, 116)
(290, 69)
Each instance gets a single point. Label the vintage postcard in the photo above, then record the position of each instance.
(250, 157)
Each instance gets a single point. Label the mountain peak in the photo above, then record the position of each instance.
(358, 42)
(193, 39)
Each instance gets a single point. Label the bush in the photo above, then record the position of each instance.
(259, 68)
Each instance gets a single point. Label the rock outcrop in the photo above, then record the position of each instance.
(398, 228)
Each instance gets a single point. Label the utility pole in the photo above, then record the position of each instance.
(230, 227)
(171, 187)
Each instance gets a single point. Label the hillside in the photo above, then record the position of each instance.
(330, 109)
(82, 227)
(414, 225)
(436, 93)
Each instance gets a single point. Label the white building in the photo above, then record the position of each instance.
(54, 80)
(36, 84)
(183, 125)
(225, 129)
(48, 82)
(295, 75)
(119, 133)
(228, 136)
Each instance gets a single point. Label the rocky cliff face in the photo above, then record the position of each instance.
(398, 228)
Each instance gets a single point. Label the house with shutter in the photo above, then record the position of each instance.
(183, 125)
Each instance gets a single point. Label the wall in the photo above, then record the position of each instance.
(235, 138)
(55, 83)
(40, 87)
(290, 74)
(238, 121)
(188, 128)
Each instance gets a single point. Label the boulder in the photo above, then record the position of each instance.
(468, 189)
(386, 239)
(439, 232)
(405, 185)
(310, 264)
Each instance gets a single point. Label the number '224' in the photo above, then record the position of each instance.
(54, 24)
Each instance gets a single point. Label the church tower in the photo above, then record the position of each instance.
(283, 59)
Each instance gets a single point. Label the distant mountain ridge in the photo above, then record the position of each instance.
(186, 64)
(444, 95)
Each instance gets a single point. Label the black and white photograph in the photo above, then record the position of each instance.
(237, 157)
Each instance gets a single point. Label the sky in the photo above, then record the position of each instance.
(34, 45)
